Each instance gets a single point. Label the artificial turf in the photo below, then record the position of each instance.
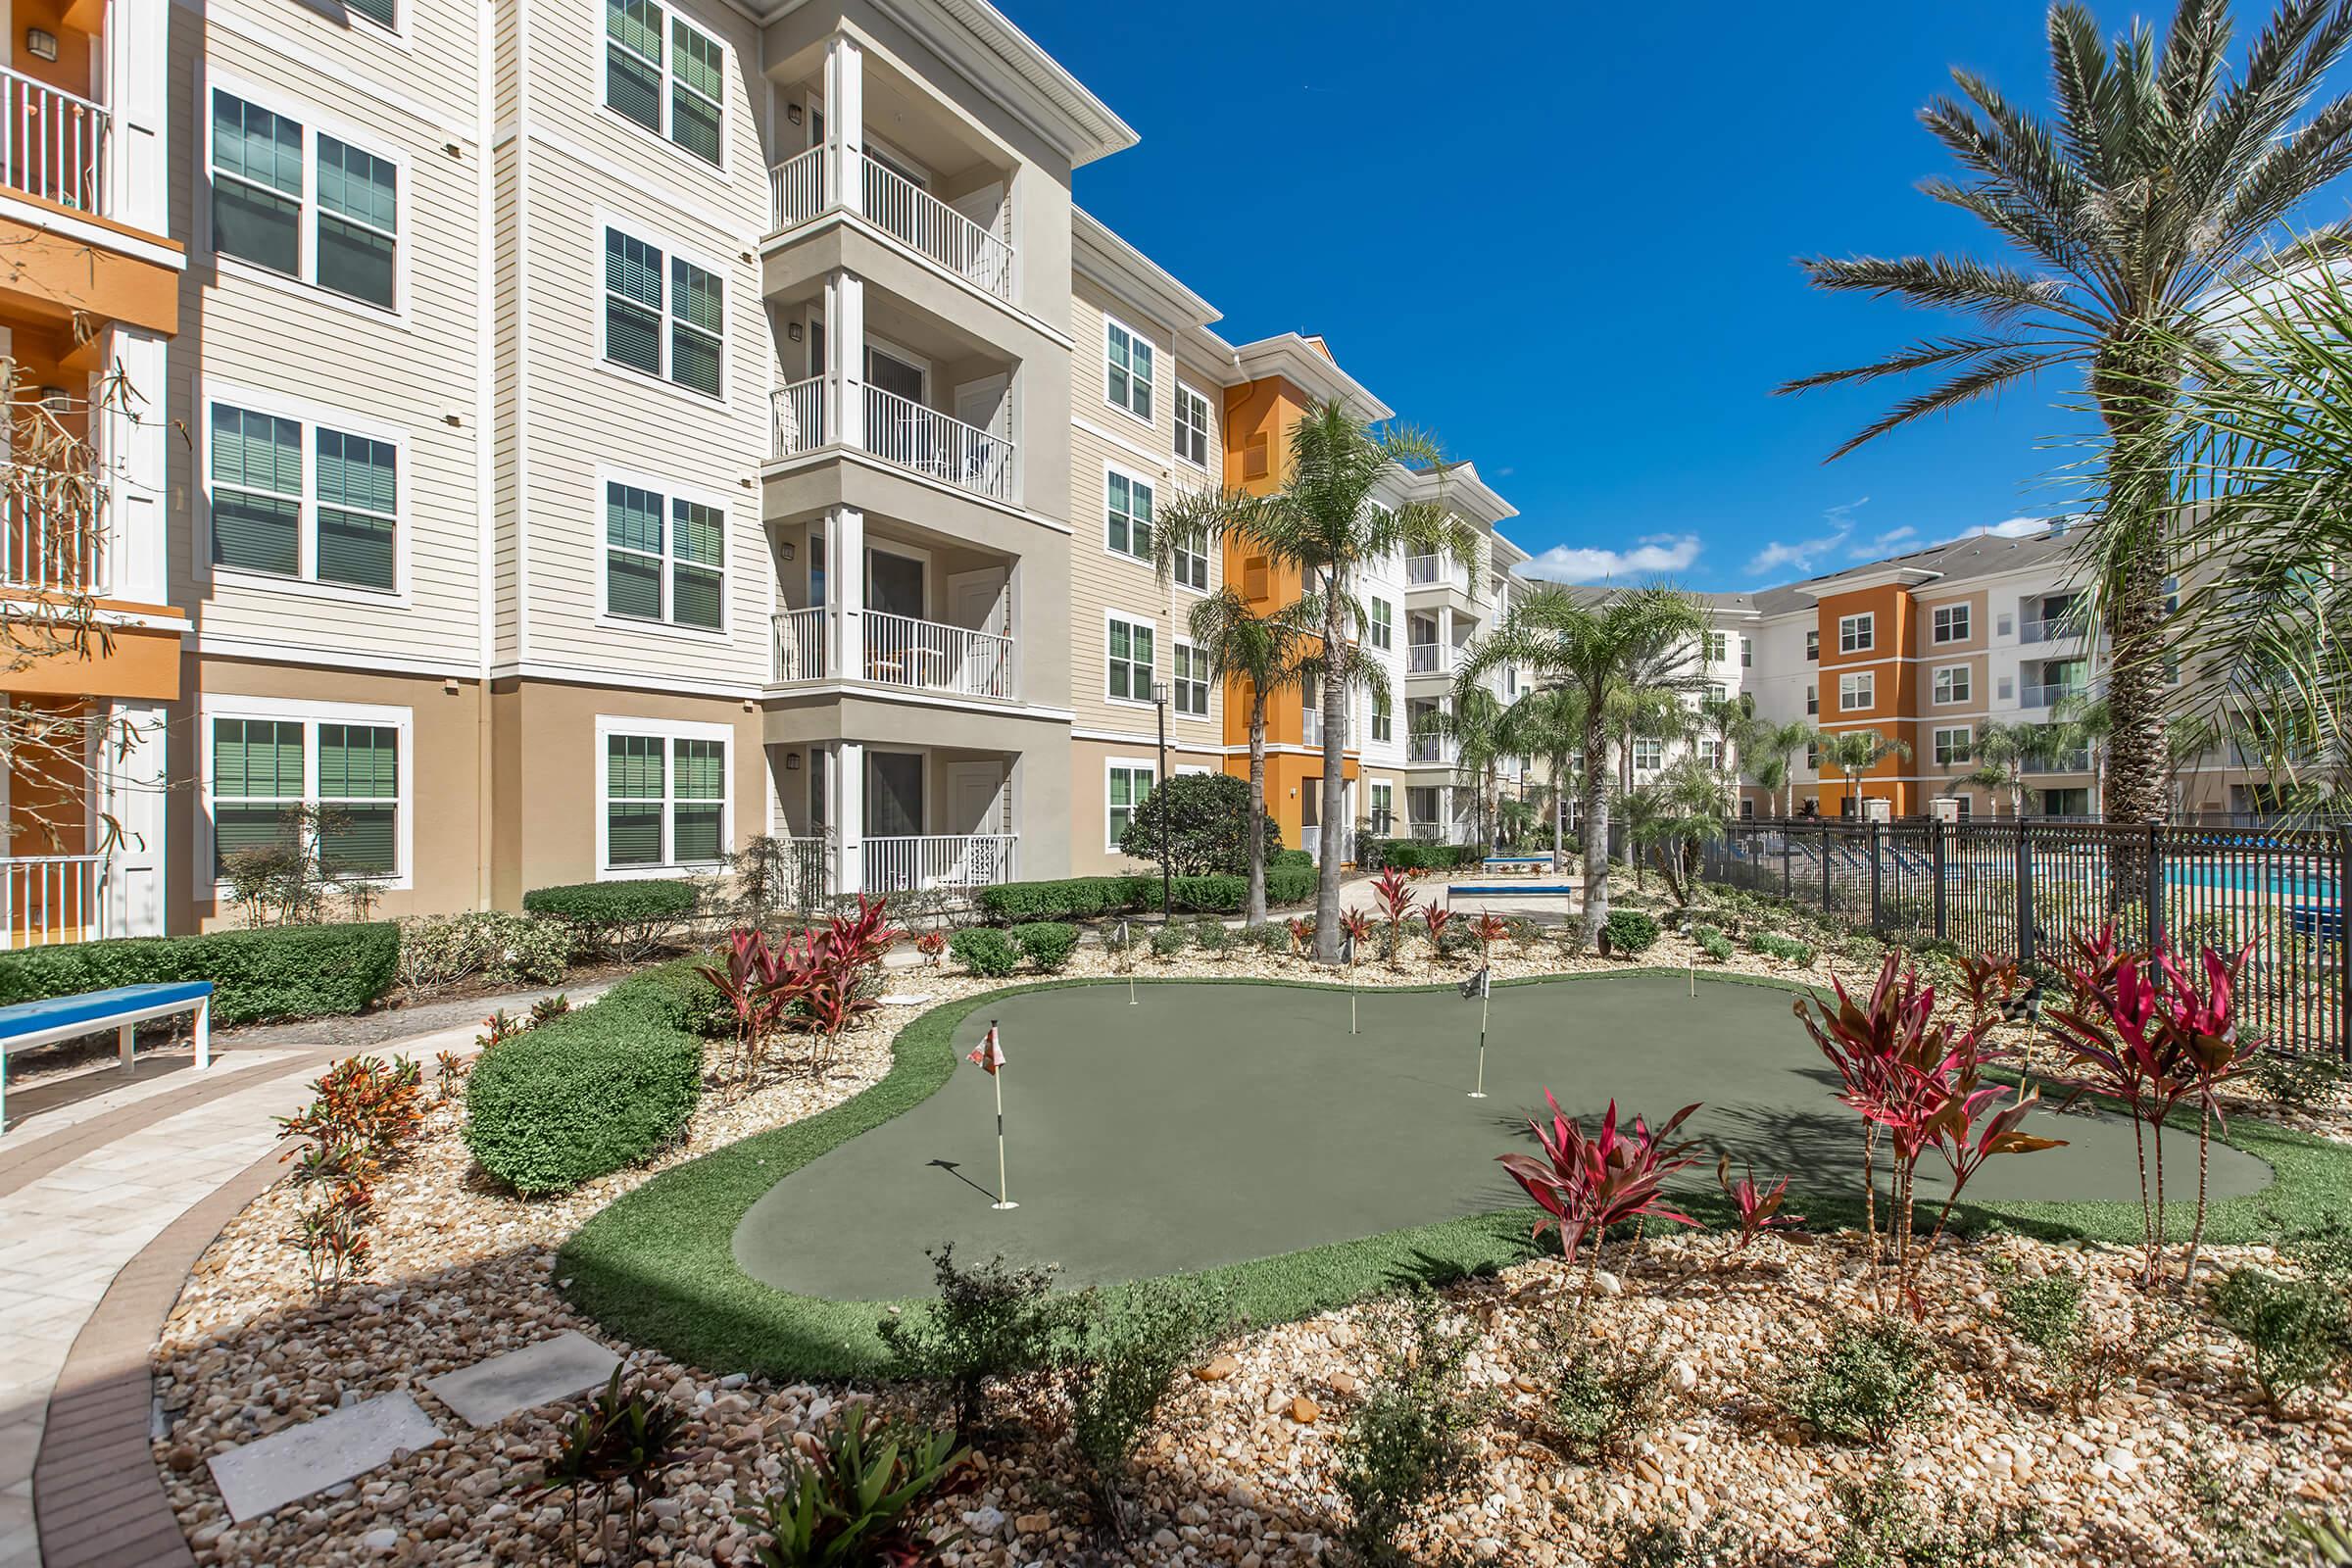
(664, 1265)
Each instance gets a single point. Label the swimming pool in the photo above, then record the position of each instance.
(2252, 877)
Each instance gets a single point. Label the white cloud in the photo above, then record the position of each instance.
(1801, 554)
(2008, 528)
(1655, 553)
(1891, 542)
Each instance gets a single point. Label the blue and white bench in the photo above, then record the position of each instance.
(26, 1024)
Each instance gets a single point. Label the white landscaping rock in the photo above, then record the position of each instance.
(268, 1474)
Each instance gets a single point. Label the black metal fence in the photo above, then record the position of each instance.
(2024, 887)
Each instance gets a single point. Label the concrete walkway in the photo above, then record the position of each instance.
(144, 1173)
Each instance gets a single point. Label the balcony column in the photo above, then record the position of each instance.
(137, 91)
(844, 546)
(131, 453)
(845, 122)
(849, 818)
(845, 344)
(132, 789)
(1444, 637)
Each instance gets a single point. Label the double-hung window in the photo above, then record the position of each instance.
(1189, 568)
(1129, 661)
(298, 498)
(1191, 426)
(666, 75)
(1813, 645)
(666, 557)
(1857, 690)
(1648, 756)
(1383, 807)
(1951, 623)
(293, 200)
(1812, 699)
(324, 779)
(1127, 370)
(1127, 517)
(1125, 788)
(664, 796)
(1384, 717)
(1380, 623)
(664, 316)
(1748, 652)
(1189, 676)
(1953, 746)
(1718, 647)
(1857, 634)
(1955, 684)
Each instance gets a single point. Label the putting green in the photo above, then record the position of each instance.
(1212, 1124)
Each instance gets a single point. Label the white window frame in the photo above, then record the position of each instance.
(1967, 746)
(1381, 722)
(1191, 651)
(1206, 427)
(1812, 699)
(1858, 633)
(668, 490)
(1861, 682)
(1653, 748)
(1710, 751)
(397, 32)
(314, 122)
(1131, 764)
(1942, 617)
(1747, 652)
(1813, 646)
(1380, 623)
(1132, 623)
(312, 417)
(1133, 479)
(600, 40)
(1719, 648)
(1111, 323)
(668, 732)
(603, 220)
(1379, 801)
(214, 706)
(1960, 688)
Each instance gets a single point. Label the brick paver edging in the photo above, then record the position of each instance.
(97, 1497)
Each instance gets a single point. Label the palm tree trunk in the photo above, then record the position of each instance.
(1596, 831)
(1789, 792)
(1335, 718)
(1257, 911)
(1559, 814)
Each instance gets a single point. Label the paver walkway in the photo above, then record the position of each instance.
(85, 1189)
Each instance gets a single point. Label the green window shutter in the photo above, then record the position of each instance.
(256, 757)
(257, 185)
(358, 490)
(632, 269)
(698, 88)
(358, 761)
(635, 24)
(1118, 507)
(1116, 346)
(632, 87)
(698, 308)
(702, 788)
(1143, 662)
(1140, 526)
(633, 559)
(360, 841)
(632, 303)
(1141, 399)
(383, 13)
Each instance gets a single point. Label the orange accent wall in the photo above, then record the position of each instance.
(52, 276)
(1895, 697)
(137, 661)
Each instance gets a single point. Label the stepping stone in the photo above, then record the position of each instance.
(342, 1446)
(488, 1392)
(905, 999)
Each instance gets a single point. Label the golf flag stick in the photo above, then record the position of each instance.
(1695, 978)
(1348, 956)
(990, 1055)
(1478, 985)
(1127, 953)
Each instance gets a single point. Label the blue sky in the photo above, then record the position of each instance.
(1561, 239)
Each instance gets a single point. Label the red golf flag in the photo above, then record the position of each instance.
(988, 1053)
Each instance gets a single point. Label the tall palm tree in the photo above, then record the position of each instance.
(2089, 724)
(1856, 752)
(1323, 524)
(1548, 723)
(1267, 655)
(1777, 744)
(2005, 752)
(1685, 807)
(1473, 721)
(2163, 179)
(1594, 645)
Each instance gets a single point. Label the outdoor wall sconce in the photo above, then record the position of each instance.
(792, 114)
(785, 550)
(40, 43)
(791, 331)
(791, 762)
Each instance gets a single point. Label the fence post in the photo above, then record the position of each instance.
(1825, 867)
(1877, 847)
(1935, 870)
(2153, 866)
(2025, 894)
(2343, 937)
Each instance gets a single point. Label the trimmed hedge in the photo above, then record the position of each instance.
(1085, 897)
(1629, 931)
(1415, 854)
(1289, 858)
(592, 1089)
(1046, 944)
(597, 905)
(984, 951)
(276, 972)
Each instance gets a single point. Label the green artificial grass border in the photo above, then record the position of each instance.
(657, 1265)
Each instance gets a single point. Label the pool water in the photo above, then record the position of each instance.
(2251, 878)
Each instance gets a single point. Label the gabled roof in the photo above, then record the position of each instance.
(1309, 362)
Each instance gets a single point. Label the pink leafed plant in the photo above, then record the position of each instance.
(1489, 929)
(1302, 933)
(1758, 1207)
(1436, 917)
(1586, 1184)
(932, 945)
(749, 985)
(1397, 901)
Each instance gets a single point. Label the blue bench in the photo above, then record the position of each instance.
(26, 1024)
(2325, 921)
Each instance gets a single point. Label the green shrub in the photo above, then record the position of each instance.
(276, 972)
(1883, 1525)
(1289, 884)
(1871, 1380)
(989, 1325)
(1773, 945)
(852, 1500)
(1046, 944)
(1201, 823)
(1169, 941)
(592, 1089)
(2300, 1330)
(2046, 1313)
(629, 918)
(1268, 937)
(984, 951)
(1410, 1440)
(1627, 931)
(1212, 938)
(1127, 1361)
(1289, 858)
(500, 948)
(2298, 1079)
(1599, 1398)
(1712, 942)
(1085, 897)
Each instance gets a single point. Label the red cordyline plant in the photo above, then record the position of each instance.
(1758, 1207)
(1489, 930)
(828, 968)
(1916, 1084)
(1397, 901)
(1586, 1184)
(1357, 926)
(1302, 933)
(750, 983)
(1436, 917)
(933, 946)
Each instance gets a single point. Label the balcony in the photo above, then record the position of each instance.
(804, 189)
(50, 898)
(51, 536)
(2078, 762)
(898, 651)
(901, 432)
(1428, 749)
(1427, 658)
(2065, 627)
(52, 143)
(1437, 571)
(938, 861)
(2049, 695)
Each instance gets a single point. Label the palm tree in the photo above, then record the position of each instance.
(2164, 179)
(1672, 818)
(1777, 744)
(1548, 723)
(1268, 655)
(1323, 524)
(2089, 722)
(2005, 752)
(1856, 752)
(1594, 645)
(1473, 721)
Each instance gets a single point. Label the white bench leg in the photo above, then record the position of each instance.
(123, 1037)
(204, 1034)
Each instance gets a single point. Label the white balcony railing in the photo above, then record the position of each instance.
(52, 143)
(51, 899)
(2051, 628)
(930, 655)
(801, 190)
(50, 533)
(799, 417)
(1424, 659)
(801, 644)
(1428, 749)
(2047, 694)
(1436, 572)
(1311, 727)
(940, 446)
(938, 861)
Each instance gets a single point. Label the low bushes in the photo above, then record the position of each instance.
(984, 951)
(1046, 944)
(1085, 897)
(502, 949)
(1627, 931)
(630, 918)
(592, 1089)
(1774, 946)
(276, 972)
(1415, 854)
(1289, 858)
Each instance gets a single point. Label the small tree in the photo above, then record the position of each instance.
(1207, 821)
(1856, 752)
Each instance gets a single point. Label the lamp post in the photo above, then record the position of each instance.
(1160, 701)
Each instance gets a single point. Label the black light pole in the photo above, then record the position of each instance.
(1160, 701)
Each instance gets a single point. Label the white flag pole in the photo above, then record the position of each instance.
(997, 1077)
(1480, 1093)
(1694, 979)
